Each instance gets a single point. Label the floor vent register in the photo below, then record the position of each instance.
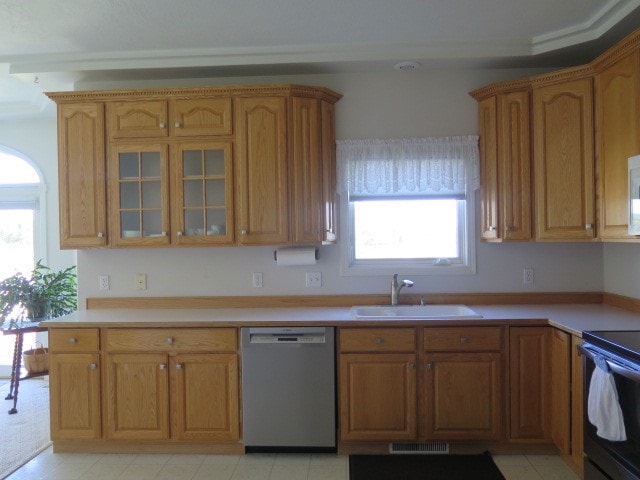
(423, 448)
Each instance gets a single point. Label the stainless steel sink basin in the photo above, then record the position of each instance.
(417, 312)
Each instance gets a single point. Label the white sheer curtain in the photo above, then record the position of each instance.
(437, 166)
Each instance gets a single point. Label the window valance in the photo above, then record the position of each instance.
(413, 167)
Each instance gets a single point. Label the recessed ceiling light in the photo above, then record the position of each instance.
(407, 66)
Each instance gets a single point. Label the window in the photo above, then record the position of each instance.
(21, 229)
(410, 205)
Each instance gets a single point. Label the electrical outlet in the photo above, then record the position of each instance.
(314, 279)
(527, 275)
(104, 282)
(257, 279)
(141, 281)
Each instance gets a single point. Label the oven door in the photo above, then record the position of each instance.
(606, 459)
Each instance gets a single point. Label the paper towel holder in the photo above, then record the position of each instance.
(275, 253)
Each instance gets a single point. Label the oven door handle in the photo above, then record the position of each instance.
(615, 368)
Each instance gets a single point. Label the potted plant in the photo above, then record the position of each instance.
(45, 294)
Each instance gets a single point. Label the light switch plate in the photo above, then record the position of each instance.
(141, 281)
(314, 279)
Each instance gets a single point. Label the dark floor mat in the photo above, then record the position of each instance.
(423, 467)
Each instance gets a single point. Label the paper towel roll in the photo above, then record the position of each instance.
(295, 256)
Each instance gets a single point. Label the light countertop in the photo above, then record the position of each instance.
(573, 318)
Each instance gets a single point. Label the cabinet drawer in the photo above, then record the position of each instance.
(377, 339)
(171, 340)
(462, 339)
(74, 340)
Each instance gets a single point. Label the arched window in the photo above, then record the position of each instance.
(22, 227)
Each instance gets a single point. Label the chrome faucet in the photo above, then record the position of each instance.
(396, 287)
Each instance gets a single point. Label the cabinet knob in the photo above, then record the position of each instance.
(164, 234)
(162, 125)
(179, 233)
(491, 228)
(464, 340)
(429, 366)
(412, 366)
(379, 341)
(588, 226)
(178, 366)
(72, 340)
(93, 366)
(100, 234)
(170, 341)
(178, 124)
(162, 366)
(508, 229)
(243, 233)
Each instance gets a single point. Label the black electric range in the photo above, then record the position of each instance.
(625, 343)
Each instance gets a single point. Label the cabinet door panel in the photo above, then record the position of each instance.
(201, 116)
(75, 396)
(530, 380)
(378, 397)
(138, 119)
(205, 409)
(564, 161)
(137, 397)
(306, 204)
(139, 195)
(515, 166)
(262, 198)
(463, 396)
(488, 117)
(618, 124)
(81, 175)
(202, 193)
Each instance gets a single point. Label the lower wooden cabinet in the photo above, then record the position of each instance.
(378, 398)
(188, 396)
(74, 389)
(159, 385)
(530, 380)
(463, 396)
(392, 391)
(74, 384)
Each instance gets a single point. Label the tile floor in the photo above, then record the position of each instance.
(64, 466)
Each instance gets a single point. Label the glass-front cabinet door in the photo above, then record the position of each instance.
(139, 194)
(202, 191)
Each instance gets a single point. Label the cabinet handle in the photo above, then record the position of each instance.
(379, 341)
(170, 341)
(464, 340)
(429, 365)
(72, 340)
(178, 124)
(100, 234)
(93, 366)
(162, 366)
(162, 125)
(178, 366)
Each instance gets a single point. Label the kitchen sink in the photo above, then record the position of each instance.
(417, 312)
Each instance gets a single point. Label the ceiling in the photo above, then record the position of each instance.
(50, 46)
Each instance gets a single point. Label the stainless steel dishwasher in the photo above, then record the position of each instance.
(288, 389)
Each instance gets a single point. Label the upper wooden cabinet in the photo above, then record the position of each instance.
(584, 125)
(81, 175)
(617, 95)
(250, 165)
(505, 153)
(564, 161)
